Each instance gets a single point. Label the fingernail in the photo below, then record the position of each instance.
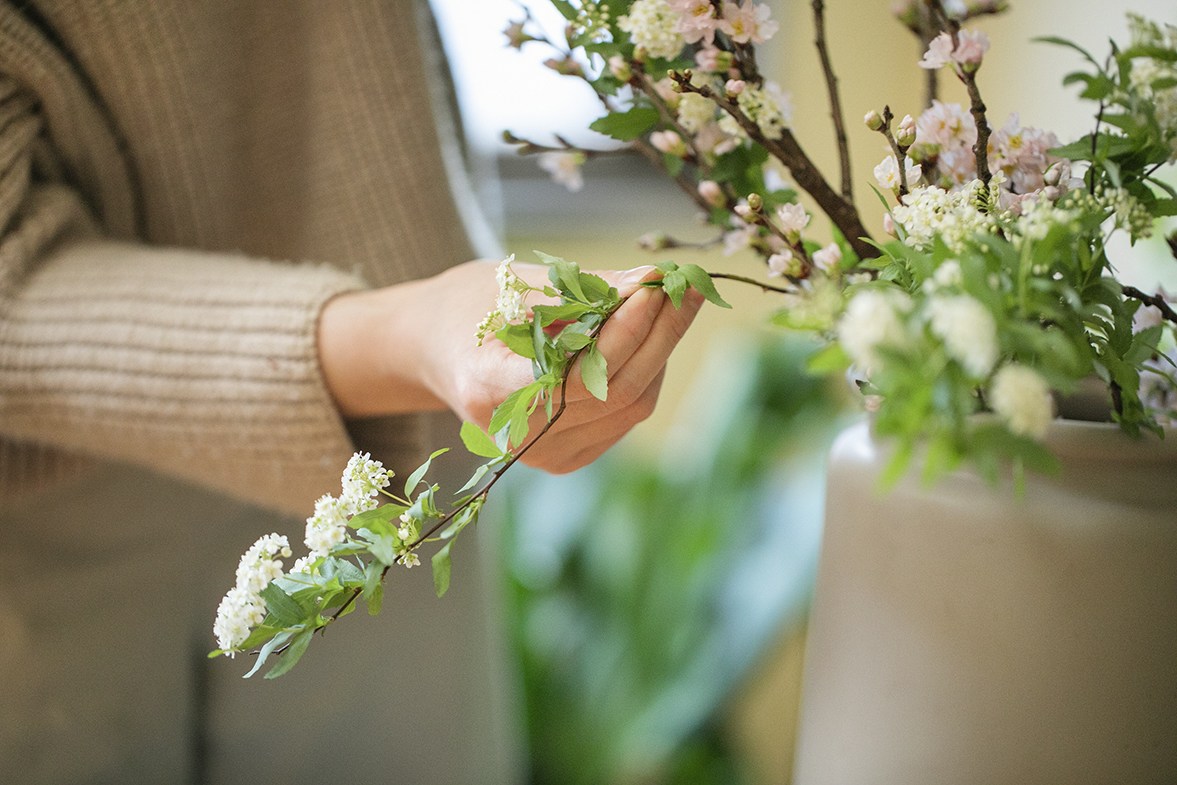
(636, 275)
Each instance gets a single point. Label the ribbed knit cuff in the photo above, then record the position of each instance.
(200, 365)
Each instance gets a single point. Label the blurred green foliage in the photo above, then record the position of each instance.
(640, 595)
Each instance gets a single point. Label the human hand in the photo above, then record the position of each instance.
(417, 351)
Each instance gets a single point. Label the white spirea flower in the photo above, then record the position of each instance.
(652, 25)
(258, 566)
(327, 527)
(968, 331)
(931, 211)
(363, 479)
(872, 319)
(238, 612)
(695, 112)
(564, 167)
(410, 560)
(1022, 398)
(303, 564)
(768, 107)
(509, 305)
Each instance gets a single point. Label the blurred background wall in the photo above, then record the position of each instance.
(597, 227)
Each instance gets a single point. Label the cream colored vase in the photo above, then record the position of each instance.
(959, 635)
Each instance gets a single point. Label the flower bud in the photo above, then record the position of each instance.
(1051, 192)
(755, 202)
(516, 38)
(743, 210)
(620, 69)
(653, 241)
(734, 87)
(711, 192)
(668, 142)
(873, 120)
(905, 135)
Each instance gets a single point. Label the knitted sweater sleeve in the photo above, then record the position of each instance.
(201, 365)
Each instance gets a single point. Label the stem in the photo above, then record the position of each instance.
(786, 150)
(1155, 300)
(835, 103)
(976, 104)
(899, 150)
(766, 287)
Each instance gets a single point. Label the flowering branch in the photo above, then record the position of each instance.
(819, 26)
(1155, 300)
(966, 71)
(786, 150)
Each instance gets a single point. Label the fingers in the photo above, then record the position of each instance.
(575, 445)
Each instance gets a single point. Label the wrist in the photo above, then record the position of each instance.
(371, 355)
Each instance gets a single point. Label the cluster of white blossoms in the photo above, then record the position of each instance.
(362, 481)
(509, 305)
(968, 331)
(766, 106)
(653, 26)
(242, 608)
(874, 318)
(1149, 71)
(1021, 397)
(952, 215)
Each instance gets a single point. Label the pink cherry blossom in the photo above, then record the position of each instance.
(696, 20)
(668, 142)
(711, 192)
(747, 23)
(947, 126)
(828, 258)
(971, 47)
(710, 59)
(939, 52)
(781, 263)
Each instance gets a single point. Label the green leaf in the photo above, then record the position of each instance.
(382, 548)
(675, 284)
(506, 410)
(373, 589)
(415, 477)
(828, 359)
(699, 279)
(477, 441)
(626, 126)
(1164, 207)
(474, 478)
(571, 341)
(673, 163)
(282, 606)
(594, 373)
(441, 569)
(292, 655)
(267, 650)
(563, 274)
(596, 289)
(373, 519)
(517, 337)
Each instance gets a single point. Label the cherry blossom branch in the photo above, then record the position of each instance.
(765, 287)
(976, 104)
(835, 103)
(528, 147)
(786, 150)
(899, 150)
(1155, 300)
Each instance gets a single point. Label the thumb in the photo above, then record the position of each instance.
(628, 281)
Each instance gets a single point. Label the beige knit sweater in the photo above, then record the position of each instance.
(155, 155)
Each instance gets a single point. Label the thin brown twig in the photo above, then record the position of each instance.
(835, 103)
(976, 104)
(1155, 300)
(786, 150)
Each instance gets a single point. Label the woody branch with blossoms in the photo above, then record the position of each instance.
(990, 292)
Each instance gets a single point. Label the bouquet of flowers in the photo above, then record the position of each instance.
(988, 291)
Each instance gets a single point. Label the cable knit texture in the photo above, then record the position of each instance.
(154, 157)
